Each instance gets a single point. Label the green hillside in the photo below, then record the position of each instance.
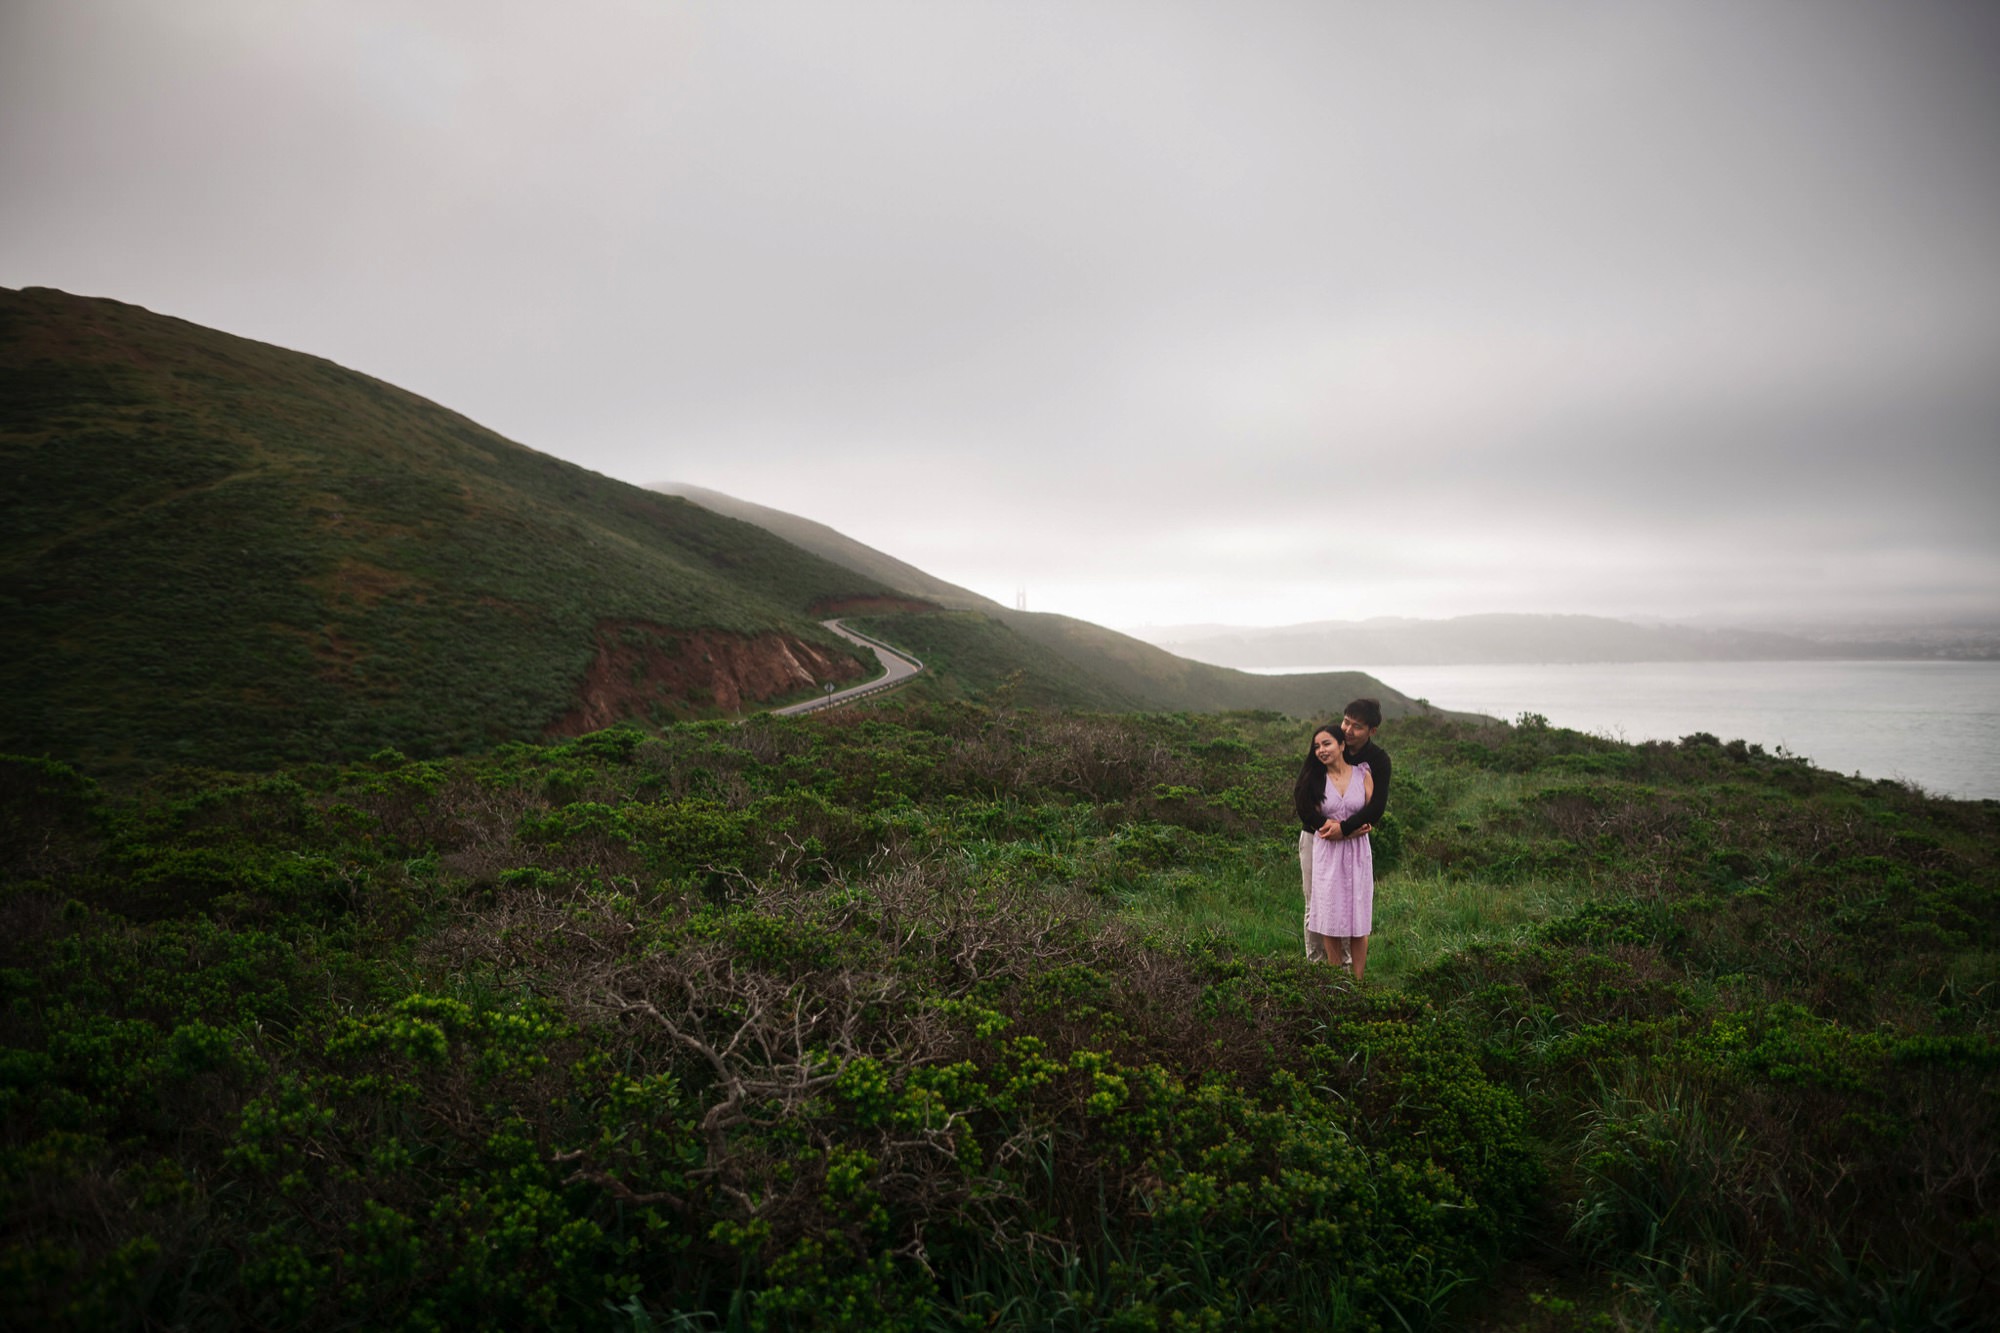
(217, 551)
(1156, 679)
(1063, 662)
(975, 644)
(836, 546)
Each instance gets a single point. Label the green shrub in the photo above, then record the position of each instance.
(844, 1024)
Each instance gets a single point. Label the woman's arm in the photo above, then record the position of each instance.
(1333, 830)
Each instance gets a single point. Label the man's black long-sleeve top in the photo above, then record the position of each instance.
(1377, 760)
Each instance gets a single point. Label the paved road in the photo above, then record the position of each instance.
(896, 668)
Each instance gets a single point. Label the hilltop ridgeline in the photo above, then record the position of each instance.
(220, 552)
(975, 644)
(217, 551)
(223, 552)
(841, 549)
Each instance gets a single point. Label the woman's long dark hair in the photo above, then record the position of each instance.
(1310, 790)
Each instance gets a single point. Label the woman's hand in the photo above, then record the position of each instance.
(1330, 830)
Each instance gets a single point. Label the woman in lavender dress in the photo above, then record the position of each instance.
(1338, 871)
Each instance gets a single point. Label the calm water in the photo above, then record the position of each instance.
(1936, 724)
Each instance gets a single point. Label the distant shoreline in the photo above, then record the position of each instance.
(1934, 724)
(1377, 667)
(1507, 637)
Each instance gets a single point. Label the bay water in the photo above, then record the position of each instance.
(1931, 723)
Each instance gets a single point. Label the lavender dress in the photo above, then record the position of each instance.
(1342, 900)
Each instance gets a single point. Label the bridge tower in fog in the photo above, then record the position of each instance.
(1020, 597)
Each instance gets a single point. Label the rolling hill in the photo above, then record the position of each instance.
(976, 644)
(838, 547)
(219, 552)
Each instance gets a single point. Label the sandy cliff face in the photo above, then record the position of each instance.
(653, 672)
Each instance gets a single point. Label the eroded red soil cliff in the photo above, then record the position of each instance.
(655, 673)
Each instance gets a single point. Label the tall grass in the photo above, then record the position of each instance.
(1423, 910)
(1422, 918)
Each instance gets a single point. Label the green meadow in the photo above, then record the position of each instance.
(956, 1014)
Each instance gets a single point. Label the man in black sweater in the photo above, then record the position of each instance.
(1359, 722)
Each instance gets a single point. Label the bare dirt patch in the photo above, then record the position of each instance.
(643, 670)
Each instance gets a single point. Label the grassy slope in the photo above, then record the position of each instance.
(1754, 1009)
(967, 653)
(1158, 679)
(224, 552)
(1062, 661)
(1073, 663)
(838, 547)
(219, 551)
(452, 1043)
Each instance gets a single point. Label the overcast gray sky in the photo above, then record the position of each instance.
(1246, 313)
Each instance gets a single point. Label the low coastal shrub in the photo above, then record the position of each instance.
(957, 1016)
(533, 1040)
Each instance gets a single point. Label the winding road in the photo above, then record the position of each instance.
(896, 668)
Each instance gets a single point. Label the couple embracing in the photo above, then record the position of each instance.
(1343, 788)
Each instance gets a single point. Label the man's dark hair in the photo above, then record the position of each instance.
(1366, 711)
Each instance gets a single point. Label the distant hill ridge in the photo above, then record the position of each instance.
(838, 547)
(1504, 637)
(977, 644)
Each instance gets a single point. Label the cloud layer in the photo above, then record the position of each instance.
(1174, 313)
